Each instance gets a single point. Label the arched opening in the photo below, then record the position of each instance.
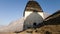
(34, 25)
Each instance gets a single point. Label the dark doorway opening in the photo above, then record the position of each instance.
(34, 25)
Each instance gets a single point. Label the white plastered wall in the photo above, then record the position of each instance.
(41, 13)
(27, 13)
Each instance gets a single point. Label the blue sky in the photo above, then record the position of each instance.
(11, 10)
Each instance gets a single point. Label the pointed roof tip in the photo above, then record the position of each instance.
(31, 0)
(33, 5)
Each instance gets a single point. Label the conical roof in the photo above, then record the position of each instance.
(33, 5)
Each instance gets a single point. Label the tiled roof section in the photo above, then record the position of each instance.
(54, 15)
(33, 5)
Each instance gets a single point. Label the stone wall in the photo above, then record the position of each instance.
(47, 29)
(52, 29)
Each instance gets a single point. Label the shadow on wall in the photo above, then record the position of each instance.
(32, 20)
